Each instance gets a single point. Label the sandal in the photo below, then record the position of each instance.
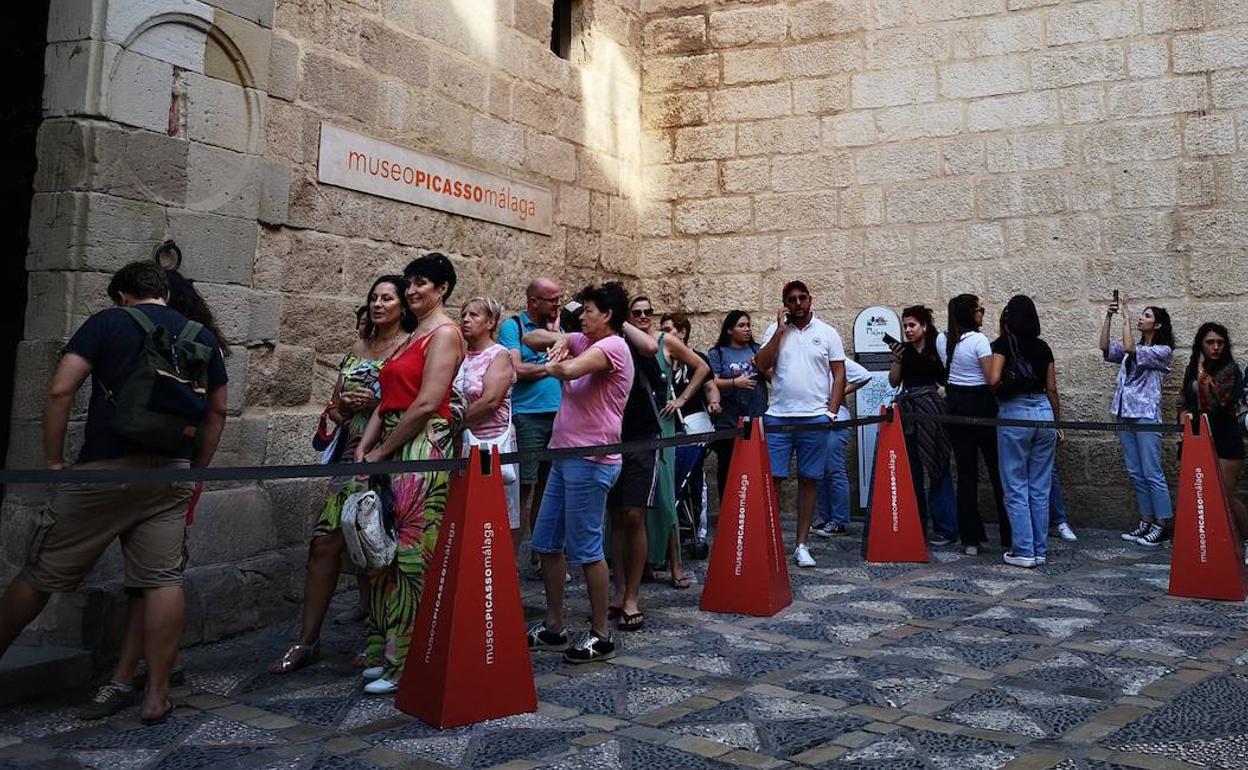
(295, 658)
(631, 621)
(614, 612)
(682, 582)
(161, 717)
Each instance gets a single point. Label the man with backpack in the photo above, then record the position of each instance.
(158, 400)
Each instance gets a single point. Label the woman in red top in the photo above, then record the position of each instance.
(413, 422)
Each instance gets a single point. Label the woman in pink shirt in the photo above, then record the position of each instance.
(485, 379)
(596, 369)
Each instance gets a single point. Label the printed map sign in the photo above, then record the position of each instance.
(359, 162)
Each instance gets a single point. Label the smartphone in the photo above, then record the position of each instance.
(788, 319)
(890, 340)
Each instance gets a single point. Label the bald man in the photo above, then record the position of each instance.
(535, 399)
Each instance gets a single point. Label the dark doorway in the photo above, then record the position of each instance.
(21, 59)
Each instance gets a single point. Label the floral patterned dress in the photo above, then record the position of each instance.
(419, 503)
(356, 374)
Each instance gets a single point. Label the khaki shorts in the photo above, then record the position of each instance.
(83, 519)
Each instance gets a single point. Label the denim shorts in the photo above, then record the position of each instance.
(811, 446)
(574, 505)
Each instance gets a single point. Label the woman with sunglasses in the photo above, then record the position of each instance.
(662, 548)
(968, 356)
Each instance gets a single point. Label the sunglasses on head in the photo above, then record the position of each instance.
(796, 299)
(647, 312)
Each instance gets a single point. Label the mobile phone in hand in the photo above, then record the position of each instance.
(890, 340)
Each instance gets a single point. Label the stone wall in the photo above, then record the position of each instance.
(199, 121)
(904, 151)
(887, 151)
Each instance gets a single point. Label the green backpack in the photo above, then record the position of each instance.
(161, 403)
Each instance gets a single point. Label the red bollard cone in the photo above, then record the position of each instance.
(896, 531)
(469, 660)
(1206, 562)
(748, 572)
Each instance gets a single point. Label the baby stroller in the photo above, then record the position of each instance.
(691, 500)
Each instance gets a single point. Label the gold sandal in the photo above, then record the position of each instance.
(295, 658)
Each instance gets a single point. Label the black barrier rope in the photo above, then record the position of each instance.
(274, 472)
(1007, 422)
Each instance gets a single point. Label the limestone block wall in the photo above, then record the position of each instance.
(473, 82)
(904, 151)
(154, 130)
(199, 121)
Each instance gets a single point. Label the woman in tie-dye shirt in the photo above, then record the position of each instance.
(1142, 366)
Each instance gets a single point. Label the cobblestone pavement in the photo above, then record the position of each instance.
(1084, 664)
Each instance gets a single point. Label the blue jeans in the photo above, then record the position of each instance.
(943, 508)
(811, 447)
(1026, 462)
(832, 501)
(1143, 454)
(1057, 501)
(573, 508)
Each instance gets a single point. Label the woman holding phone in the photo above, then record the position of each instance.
(1142, 368)
(918, 369)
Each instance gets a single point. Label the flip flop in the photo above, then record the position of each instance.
(682, 582)
(631, 621)
(161, 717)
(614, 612)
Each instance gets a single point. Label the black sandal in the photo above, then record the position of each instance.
(614, 613)
(631, 621)
(295, 658)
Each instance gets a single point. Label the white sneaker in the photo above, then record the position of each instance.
(1066, 532)
(801, 555)
(1018, 561)
(1246, 552)
(372, 673)
(1041, 561)
(971, 550)
(381, 687)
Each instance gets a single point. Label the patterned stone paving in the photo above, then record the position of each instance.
(962, 663)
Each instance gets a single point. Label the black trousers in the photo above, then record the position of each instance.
(969, 443)
(723, 457)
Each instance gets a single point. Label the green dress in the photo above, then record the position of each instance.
(661, 519)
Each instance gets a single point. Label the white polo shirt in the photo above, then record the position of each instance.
(854, 372)
(802, 379)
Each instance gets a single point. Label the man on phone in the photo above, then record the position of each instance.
(806, 362)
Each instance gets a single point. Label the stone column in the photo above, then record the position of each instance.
(154, 129)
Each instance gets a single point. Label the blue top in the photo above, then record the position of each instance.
(729, 362)
(539, 396)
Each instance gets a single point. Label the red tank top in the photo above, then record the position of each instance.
(402, 375)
